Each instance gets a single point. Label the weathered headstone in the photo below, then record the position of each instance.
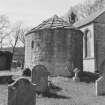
(76, 76)
(21, 92)
(40, 78)
(100, 85)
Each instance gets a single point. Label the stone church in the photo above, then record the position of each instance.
(56, 45)
(93, 28)
(61, 47)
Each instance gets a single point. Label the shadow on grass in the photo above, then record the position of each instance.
(52, 92)
(88, 77)
(54, 95)
(54, 87)
(103, 94)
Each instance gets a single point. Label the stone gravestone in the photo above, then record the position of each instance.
(100, 85)
(22, 92)
(40, 78)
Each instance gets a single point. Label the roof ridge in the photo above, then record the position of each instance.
(53, 19)
(89, 19)
(51, 23)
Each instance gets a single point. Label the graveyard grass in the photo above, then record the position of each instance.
(79, 93)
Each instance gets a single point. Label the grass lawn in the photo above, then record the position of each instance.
(77, 94)
(72, 93)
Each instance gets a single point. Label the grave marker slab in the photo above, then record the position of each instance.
(21, 92)
(100, 86)
(40, 78)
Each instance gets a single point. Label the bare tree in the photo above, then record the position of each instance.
(17, 36)
(99, 4)
(86, 9)
(22, 34)
(4, 28)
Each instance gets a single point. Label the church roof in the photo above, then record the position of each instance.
(89, 19)
(52, 23)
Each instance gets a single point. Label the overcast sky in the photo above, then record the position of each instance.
(32, 12)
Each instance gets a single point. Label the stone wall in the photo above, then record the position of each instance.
(60, 50)
(100, 46)
(89, 65)
(89, 62)
(5, 60)
(28, 57)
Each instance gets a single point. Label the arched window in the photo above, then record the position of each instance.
(87, 42)
(32, 44)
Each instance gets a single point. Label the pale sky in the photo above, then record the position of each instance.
(33, 12)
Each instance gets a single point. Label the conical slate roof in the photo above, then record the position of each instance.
(52, 23)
